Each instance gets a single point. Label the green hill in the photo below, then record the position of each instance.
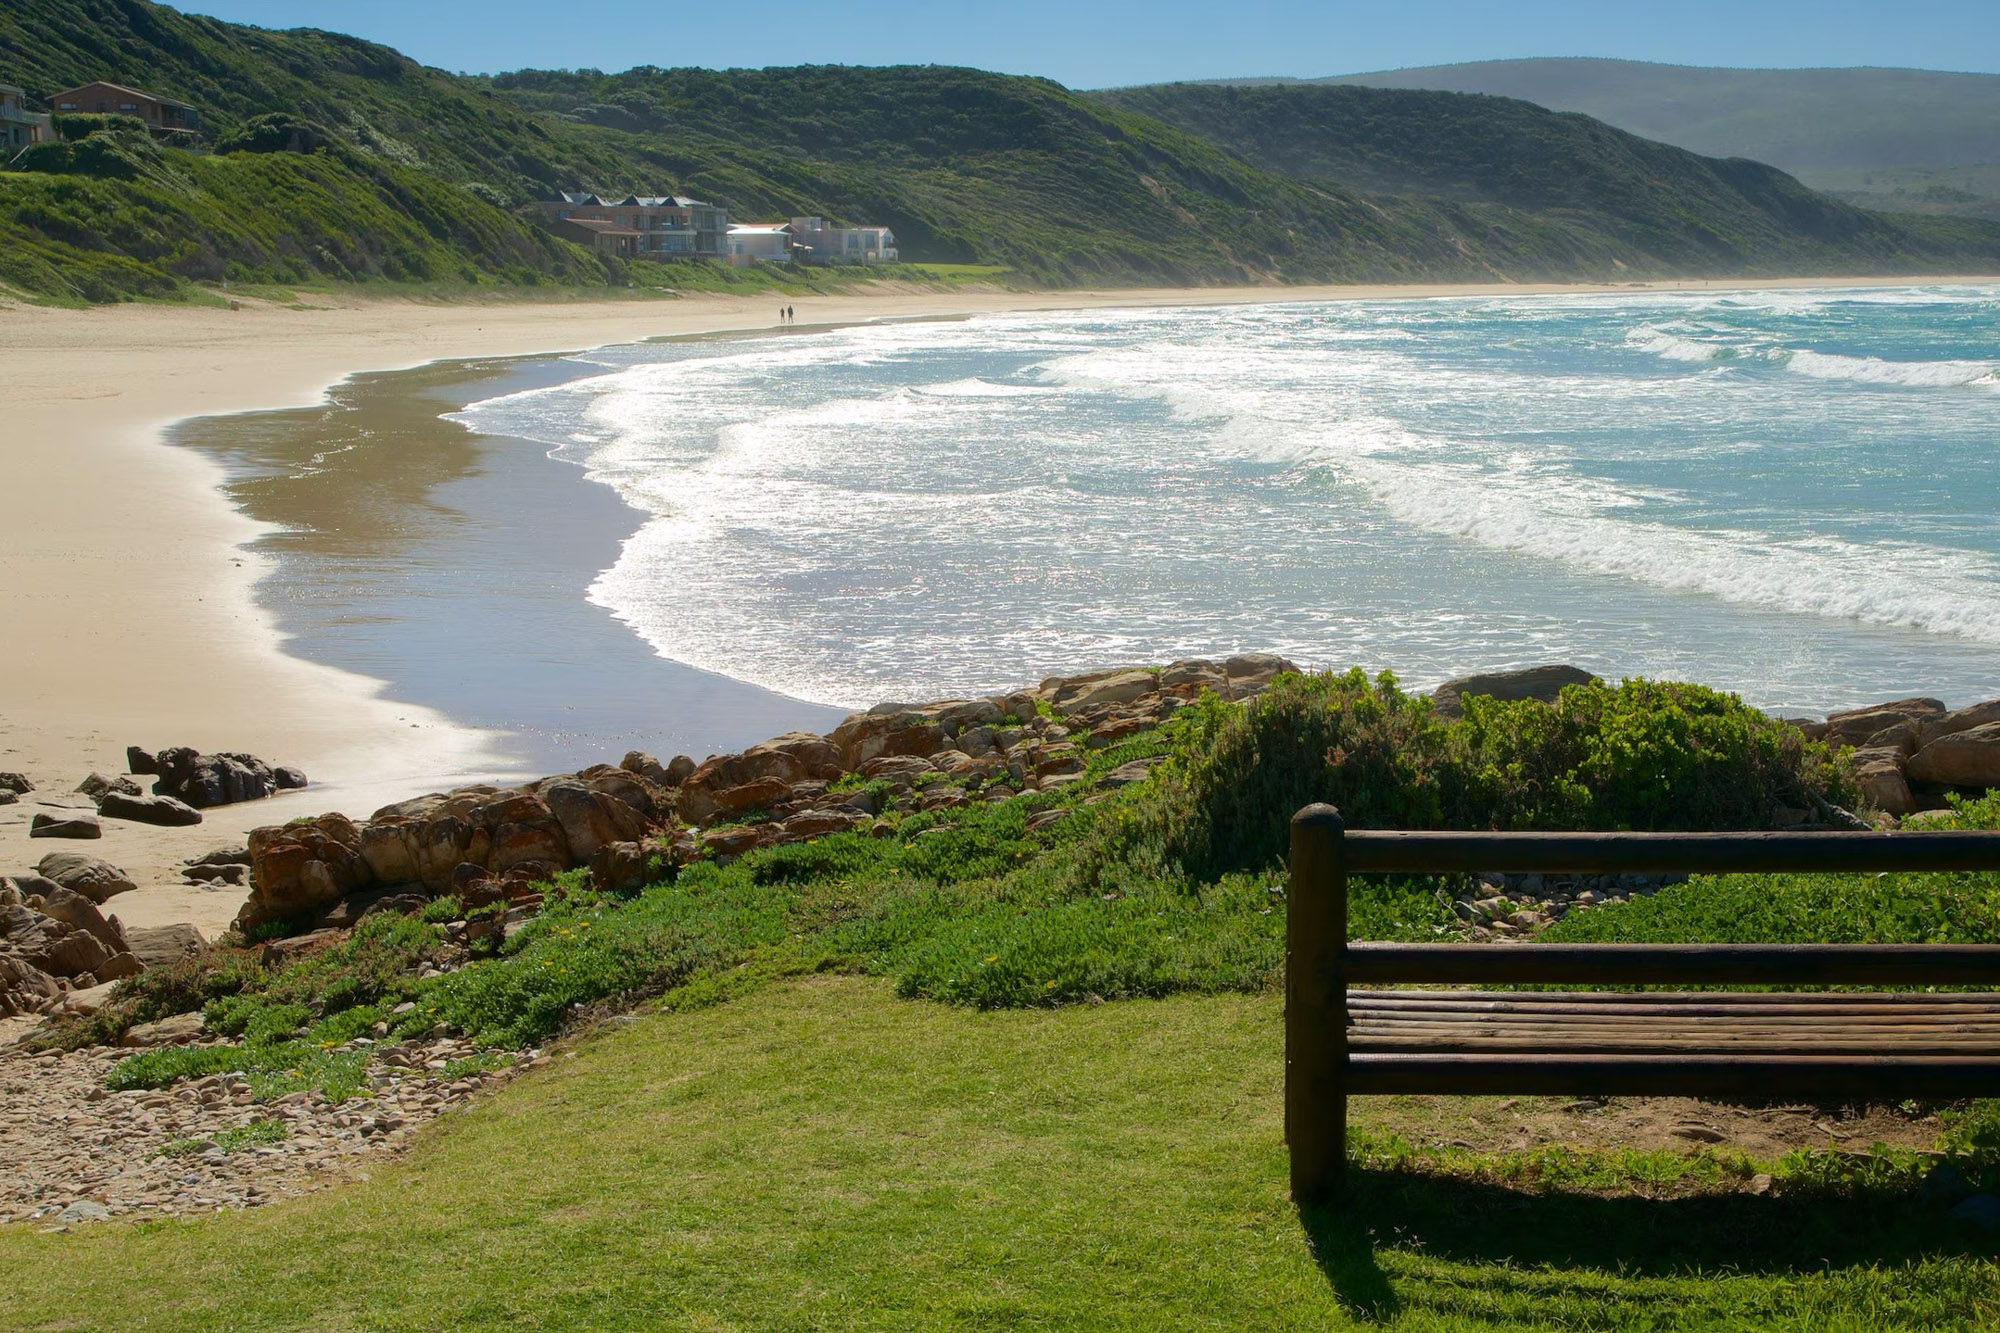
(419, 175)
(1905, 138)
(1798, 119)
(1647, 197)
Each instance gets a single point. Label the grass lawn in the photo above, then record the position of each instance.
(818, 1154)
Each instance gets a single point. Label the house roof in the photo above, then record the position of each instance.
(119, 87)
(587, 200)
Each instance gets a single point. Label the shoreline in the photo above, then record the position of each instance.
(130, 579)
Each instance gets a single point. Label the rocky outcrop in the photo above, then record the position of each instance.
(439, 843)
(96, 785)
(1910, 753)
(1968, 758)
(54, 941)
(624, 822)
(204, 781)
(1542, 682)
(15, 783)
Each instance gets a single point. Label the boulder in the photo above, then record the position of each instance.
(621, 867)
(1969, 758)
(96, 785)
(289, 778)
(1963, 719)
(1854, 726)
(204, 781)
(76, 911)
(95, 879)
(1117, 688)
(50, 945)
(15, 783)
(222, 856)
(164, 811)
(141, 762)
(1249, 673)
(74, 825)
(646, 766)
(303, 867)
(25, 988)
(876, 734)
(8, 797)
(1543, 682)
(386, 847)
(158, 946)
(590, 819)
(679, 769)
(174, 1031)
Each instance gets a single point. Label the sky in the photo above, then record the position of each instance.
(1107, 43)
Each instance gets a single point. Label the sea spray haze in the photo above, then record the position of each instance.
(1789, 493)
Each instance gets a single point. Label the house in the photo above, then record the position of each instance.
(19, 126)
(820, 243)
(606, 238)
(760, 243)
(166, 117)
(661, 226)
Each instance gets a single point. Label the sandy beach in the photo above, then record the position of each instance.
(127, 589)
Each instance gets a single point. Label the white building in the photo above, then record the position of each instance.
(823, 244)
(759, 243)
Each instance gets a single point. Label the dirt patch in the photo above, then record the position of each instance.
(1645, 1124)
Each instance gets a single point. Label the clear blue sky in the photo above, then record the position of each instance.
(1098, 43)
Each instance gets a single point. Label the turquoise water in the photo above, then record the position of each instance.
(1789, 494)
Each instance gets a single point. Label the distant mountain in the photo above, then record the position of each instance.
(1896, 138)
(338, 158)
(1798, 119)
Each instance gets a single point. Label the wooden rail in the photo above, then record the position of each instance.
(1339, 1043)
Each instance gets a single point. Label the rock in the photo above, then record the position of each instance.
(1963, 719)
(159, 946)
(65, 826)
(50, 945)
(1118, 688)
(9, 797)
(646, 766)
(1879, 774)
(1136, 771)
(141, 762)
(95, 879)
(289, 778)
(1855, 725)
(305, 866)
(203, 781)
(1249, 673)
(15, 783)
(621, 867)
(679, 769)
(84, 1210)
(176, 1030)
(79, 912)
(1981, 1211)
(223, 856)
(590, 819)
(96, 785)
(163, 811)
(1542, 682)
(1969, 758)
(875, 734)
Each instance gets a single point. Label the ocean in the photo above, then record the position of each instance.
(1789, 494)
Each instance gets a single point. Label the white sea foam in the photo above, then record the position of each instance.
(868, 513)
(1875, 370)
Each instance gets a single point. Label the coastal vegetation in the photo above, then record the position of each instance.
(338, 160)
(1017, 1059)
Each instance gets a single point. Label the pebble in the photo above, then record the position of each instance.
(77, 1153)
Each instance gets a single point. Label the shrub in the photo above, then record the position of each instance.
(1642, 755)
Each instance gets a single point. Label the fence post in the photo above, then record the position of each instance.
(1316, 1004)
